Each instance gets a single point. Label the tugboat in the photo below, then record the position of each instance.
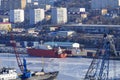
(8, 74)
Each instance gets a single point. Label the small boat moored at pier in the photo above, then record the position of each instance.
(8, 74)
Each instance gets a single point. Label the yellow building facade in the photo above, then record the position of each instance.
(6, 26)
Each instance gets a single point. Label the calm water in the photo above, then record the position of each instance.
(69, 68)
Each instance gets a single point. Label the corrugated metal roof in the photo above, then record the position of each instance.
(62, 44)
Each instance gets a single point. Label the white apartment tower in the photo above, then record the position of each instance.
(17, 15)
(36, 15)
(59, 15)
(101, 4)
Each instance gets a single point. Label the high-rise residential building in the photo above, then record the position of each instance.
(0, 2)
(17, 15)
(59, 15)
(22, 4)
(36, 15)
(108, 4)
(8, 5)
(44, 2)
(28, 1)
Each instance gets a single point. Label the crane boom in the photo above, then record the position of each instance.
(19, 62)
(99, 67)
(104, 69)
(93, 68)
(22, 66)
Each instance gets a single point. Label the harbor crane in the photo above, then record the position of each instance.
(22, 66)
(99, 67)
(27, 74)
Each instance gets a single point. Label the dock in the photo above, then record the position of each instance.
(8, 49)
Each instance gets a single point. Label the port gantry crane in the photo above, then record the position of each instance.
(22, 66)
(99, 67)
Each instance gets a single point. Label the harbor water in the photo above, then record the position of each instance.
(69, 68)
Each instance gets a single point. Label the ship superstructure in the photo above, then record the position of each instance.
(8, 74)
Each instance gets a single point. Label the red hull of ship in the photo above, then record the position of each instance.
(45, 53)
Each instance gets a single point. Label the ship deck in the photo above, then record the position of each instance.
(46, 76)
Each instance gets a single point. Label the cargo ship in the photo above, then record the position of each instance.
(64, 50)
(46, 51)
